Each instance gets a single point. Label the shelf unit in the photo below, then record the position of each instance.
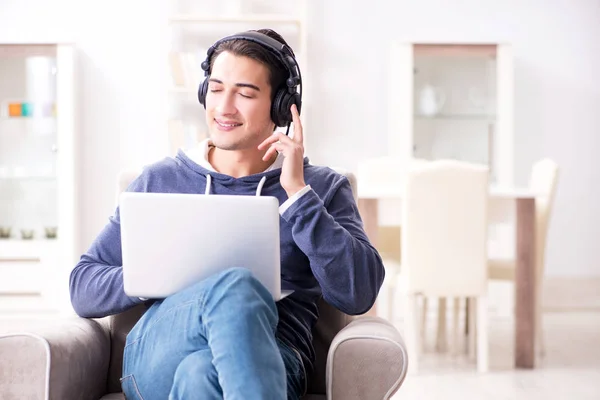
(459, 99)
(37, 176)
(192, 32)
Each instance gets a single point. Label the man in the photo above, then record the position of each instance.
(225, 337)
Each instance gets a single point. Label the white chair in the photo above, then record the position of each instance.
(444, 252)
(543, 180)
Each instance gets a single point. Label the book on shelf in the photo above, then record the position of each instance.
(185, 69)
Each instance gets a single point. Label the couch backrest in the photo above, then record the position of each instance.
(330, 321)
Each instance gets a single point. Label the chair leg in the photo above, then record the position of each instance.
(467, 315)
(472, 328)
(411, 332)
(441, 342)
(482, 334)
(423, 332)
(456, 327)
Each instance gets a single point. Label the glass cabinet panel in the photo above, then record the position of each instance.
(28, 142)
(454, 102)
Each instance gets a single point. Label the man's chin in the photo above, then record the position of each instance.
(226, 144)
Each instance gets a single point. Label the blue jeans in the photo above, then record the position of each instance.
(213, 340)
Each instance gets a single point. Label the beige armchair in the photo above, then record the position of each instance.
(79, 359)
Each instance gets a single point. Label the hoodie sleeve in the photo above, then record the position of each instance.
(348, 268)
(96, 282)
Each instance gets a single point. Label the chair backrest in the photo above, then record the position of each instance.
(543, 180)
(444, 228)
(330, 321)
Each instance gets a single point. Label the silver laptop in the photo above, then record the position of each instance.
(171, 241)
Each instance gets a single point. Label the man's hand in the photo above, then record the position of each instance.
(292, 171)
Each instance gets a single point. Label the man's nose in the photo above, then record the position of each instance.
(226, 104)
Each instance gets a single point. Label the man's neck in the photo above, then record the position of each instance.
(238, 163)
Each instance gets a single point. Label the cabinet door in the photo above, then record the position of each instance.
(28, 143)
(37, 147)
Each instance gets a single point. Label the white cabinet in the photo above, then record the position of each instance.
(453, 101)
(37, 175)
(193, 28)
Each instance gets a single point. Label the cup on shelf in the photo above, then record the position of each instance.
(26, 109)
(27, 234)
(15, 110)
(5, 232)
(51, 232)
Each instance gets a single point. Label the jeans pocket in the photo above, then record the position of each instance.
(130, 388)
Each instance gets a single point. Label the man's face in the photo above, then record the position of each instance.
(238, 103)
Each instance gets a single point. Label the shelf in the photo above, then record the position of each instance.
(28, 118)
(458, 117)
(18, 249)
(258, 18)
(455, 50)
(29, 178)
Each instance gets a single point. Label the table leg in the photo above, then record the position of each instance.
(525, 284)
(369, 214)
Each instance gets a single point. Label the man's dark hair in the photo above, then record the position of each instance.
(278, 74)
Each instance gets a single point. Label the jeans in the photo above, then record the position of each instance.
(213, 340)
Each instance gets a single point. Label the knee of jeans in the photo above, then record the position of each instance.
(196, 366)
(240, 276)
(238, 273)
(242, 280)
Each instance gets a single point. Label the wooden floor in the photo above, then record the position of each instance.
(570, 369)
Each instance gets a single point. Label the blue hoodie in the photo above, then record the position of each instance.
(324, 249)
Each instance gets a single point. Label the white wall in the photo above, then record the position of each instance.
(557, 49)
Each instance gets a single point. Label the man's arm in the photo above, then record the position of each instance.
(346, 265)
(96, 282)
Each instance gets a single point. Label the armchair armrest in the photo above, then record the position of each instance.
(367, 360)
(63, 359)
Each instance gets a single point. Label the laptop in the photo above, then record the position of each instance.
(170, 241)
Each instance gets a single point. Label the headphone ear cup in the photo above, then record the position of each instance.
(202, 89)
(280, 110)
(297, 99)
(278, 115)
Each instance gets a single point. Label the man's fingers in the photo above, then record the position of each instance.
(298, 134)
(277, 137)
(277, 146)
(269, 153)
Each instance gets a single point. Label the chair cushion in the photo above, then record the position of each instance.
(113, 396)
(330, 322)
(120, 325)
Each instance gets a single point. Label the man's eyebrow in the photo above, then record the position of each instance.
(248, 85)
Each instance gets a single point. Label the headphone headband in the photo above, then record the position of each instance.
(284, 54)
(275, 46)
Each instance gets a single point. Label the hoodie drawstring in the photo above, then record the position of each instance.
(208, 179)
(260, 185)
(258, 189)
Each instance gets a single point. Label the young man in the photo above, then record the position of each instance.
(225, 337)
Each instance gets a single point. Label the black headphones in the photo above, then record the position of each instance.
(285, 96)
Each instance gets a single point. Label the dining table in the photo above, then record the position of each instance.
(523, 205)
